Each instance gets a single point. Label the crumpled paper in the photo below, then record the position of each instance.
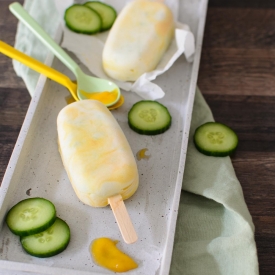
(88, 50)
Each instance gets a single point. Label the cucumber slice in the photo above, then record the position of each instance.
(107, 13)
(48, 243)
(31, 216)
(82, 19)
(148, 117)
(215, 139)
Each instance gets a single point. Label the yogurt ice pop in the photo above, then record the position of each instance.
(96, 154)
(138, 39)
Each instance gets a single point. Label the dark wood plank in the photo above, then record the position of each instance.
(268, 4)
(8, 26)
(238, 57)
(239, 28)
(13, 105)
(237, 71)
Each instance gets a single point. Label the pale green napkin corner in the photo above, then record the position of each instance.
(215, 232)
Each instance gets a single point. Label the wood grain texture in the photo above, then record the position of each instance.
(236, 77)
(8, 25)
(14, 103)
(269, 4)
(238, 55)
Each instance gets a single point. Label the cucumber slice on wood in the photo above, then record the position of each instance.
(149, 117)
(215, 139)
(31, 216)
(82, 19)
(107, 13)
(48, 243)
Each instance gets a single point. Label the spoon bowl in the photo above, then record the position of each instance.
(88, 87)
(105, 90)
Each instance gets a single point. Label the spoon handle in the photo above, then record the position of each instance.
(37, 66)
(24, 17)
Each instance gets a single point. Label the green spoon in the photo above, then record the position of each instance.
(85, 84)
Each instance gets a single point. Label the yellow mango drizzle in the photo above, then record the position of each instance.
(106, 254)
(104, 97)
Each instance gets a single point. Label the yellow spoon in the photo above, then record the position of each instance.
(52, 74)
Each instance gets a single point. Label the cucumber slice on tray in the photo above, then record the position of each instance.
(82, 19)
(107, 13)
(48, 243)
(31, 216)
(148, 117)
(215, 139)
(41, 233)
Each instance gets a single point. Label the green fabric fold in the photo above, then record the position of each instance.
(215, 232)
(45, 13)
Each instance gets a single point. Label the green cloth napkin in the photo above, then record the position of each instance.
(215, 232)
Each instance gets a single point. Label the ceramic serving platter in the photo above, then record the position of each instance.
(35, 170)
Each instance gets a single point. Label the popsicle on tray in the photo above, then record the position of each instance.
(97, 156)
(138, 39)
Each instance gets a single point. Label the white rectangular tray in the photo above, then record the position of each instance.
(35, 169)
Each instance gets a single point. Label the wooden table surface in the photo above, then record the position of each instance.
(237, 79)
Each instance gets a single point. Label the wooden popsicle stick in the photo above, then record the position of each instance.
(123, 220)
